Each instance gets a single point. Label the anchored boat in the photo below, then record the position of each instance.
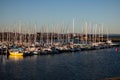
(16, 51)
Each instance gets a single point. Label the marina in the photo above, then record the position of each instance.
(58, 56)
(63, 55)
(59, 39)
(63, 59)
(54, 48)
(27, 41)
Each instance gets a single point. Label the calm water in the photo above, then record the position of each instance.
(86, 65)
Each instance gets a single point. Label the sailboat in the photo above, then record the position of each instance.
(16, 51)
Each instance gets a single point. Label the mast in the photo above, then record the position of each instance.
(90, 31)
(15, 39)
(28, 36)
(95, 32)
(20, 33)
(25, 41)
(39, 35)
(3, 35)
(52, 34)
(99, 34)
(7, 33)
(68, 35)
(35, 34)
(73, 30)
(58, 33)
(107, 35)
(47, 34)
(53, 40)
(63, 33)
(41, 38)
(82, 36)
(102, 32)
(86, 31)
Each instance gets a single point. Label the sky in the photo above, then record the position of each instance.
(49, 12)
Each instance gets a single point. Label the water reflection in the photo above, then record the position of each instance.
(15, 58)
(6, 58)
(3, 59)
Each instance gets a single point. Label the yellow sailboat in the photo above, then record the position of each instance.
(16, 51)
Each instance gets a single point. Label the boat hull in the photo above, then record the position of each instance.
(16, 53)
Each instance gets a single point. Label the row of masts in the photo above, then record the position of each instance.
(21, 34)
